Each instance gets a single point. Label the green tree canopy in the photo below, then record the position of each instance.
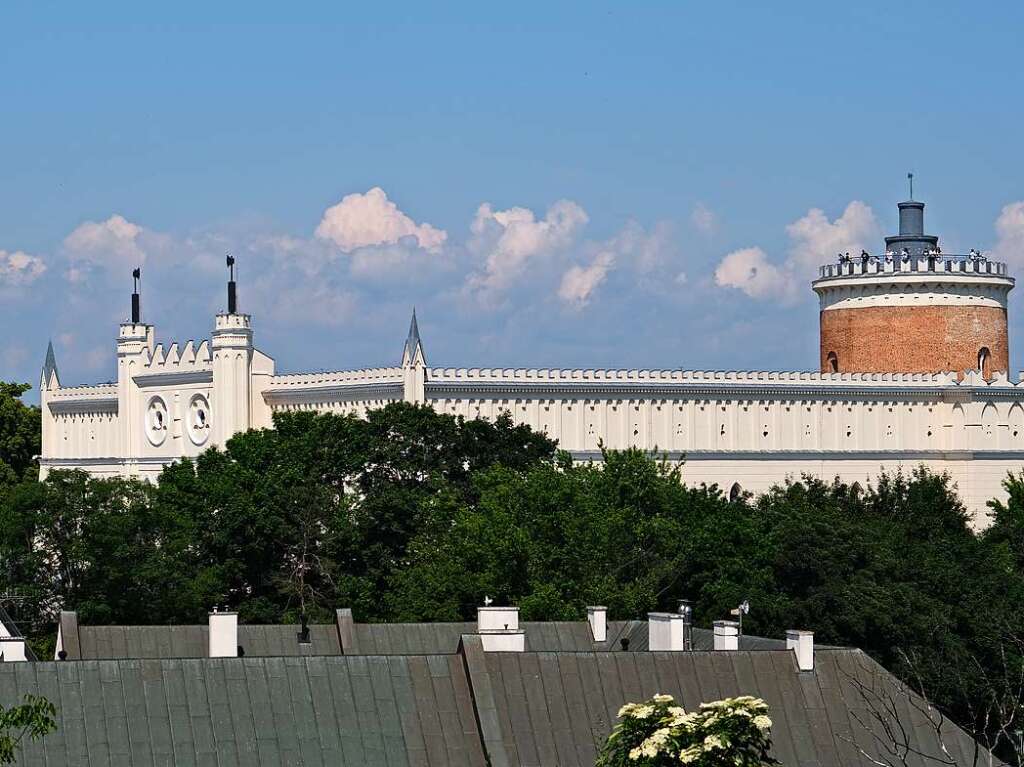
(20, 435)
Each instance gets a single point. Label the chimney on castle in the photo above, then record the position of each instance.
(232, 295)
(136, 307)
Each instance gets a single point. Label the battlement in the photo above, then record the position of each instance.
(335, 377)
(967, 265)
(174, 361)
(726, 377)
(92, 391)
(534, 375)
(133, 330)
(225, 321)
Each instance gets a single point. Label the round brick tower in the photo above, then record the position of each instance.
(913, 310)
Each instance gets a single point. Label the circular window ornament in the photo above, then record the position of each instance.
(157, 421)
(199, 420)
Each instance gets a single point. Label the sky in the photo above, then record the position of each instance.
(549, 184)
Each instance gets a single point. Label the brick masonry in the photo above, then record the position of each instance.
(913, 339)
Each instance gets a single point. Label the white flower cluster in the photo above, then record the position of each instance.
(689, 736)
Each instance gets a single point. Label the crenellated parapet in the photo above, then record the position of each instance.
(175, 366)
(99, 398)
(174, 360)
(339, 386)
(597, 384)
(583, 375)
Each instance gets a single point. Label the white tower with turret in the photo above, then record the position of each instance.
(232, 365)
(135, 340)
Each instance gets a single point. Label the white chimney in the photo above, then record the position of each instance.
(802, 644)
(12, 649)
(597, 617)
(667, 631)
(498, 628)
(223, 635)
(497, 618)
(727, 635)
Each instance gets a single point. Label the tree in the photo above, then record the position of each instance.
(20, 435)
(1007, 528)
(32, 719)
(892, 714)
(319, 510)
(559, 537)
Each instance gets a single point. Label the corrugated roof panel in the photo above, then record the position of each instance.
(426, 708)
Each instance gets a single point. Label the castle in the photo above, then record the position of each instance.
(913, 371)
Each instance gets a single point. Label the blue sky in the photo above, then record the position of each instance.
(570, 184)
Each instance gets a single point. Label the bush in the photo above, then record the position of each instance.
(733, 731)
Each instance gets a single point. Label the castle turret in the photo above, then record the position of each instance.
(414, 365)
(232, 363)
(914, 309)
(135, 341)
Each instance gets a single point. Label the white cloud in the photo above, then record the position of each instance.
(816, 240)
(645, 252)
(19, 268)
(362, 220)
(1010, 229)
(116, 244)
(580, 282)
(512, 238)
(703, 219)
(750, 270)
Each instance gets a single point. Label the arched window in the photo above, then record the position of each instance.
(984, 362)
(735, 492)
(833, 362)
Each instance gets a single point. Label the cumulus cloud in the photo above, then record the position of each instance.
(511, 239)
(1010, 230)
(580, 282)
(116, 244)
(362, 220)
(750, 270)
(815, 240)
(648, 255)
(646, 252)
(19, 268)
(703, 219)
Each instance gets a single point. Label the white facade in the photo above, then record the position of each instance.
(740, 430)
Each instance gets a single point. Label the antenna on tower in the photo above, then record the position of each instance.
(910, 178)
(136, 309)
(232, 296)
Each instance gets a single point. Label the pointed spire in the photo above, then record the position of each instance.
(413, 342)
(50, 365)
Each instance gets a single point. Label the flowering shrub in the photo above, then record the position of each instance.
(733, 732)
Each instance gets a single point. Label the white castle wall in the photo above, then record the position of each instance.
(744, 429)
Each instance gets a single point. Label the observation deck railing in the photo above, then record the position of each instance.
(859, 266)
